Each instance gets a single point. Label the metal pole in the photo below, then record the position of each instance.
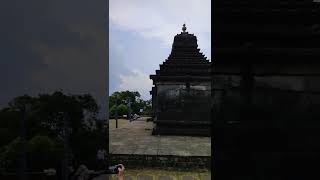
(23, 158)
(116, 112)
(129, 109)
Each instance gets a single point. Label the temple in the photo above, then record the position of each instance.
(181, 96)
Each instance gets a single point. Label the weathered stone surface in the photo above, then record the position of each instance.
(157, 151)
(144, 143)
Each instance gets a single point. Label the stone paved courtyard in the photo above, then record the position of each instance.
(135, 138)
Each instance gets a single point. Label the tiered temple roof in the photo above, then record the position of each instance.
(185, 60)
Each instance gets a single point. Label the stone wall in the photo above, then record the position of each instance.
(166, 162)
(176, 102)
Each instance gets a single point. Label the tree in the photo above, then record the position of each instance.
(122, 110)
(136, 102)
(147, 107)
(10, 124)
(133, 96)
(45, 124)
(9, 155)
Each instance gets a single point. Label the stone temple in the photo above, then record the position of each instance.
(181, 95)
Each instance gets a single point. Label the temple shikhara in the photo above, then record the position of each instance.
(181, 95)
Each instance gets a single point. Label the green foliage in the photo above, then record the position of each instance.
(20, 102)
(147, 107)
(45, 118)
(136, 102)
(43, 152)
(122, 109)
(5, 136)
(47, 112)
(123, 96)
(112, 111)
(85, 145)
(9, 154)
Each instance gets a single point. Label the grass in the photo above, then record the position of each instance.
(121, 122)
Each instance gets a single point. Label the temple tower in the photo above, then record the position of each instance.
(182, 89)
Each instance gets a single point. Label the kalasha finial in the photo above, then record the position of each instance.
(184, 28)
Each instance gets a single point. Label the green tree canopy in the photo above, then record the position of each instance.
(45, 117)
(135, 98)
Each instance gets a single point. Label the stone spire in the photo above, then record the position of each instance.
(184, 28)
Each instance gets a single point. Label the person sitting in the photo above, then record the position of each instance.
(83, 173)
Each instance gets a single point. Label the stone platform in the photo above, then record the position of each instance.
(134, 145)
(135, 138)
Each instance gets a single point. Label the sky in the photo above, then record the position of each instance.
(53, 45)
(63, 45)
(141, 34)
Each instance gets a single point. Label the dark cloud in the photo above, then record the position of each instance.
(52, 45)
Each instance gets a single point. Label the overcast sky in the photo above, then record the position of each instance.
(141, 33)
(62, 45)
(53, 45)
